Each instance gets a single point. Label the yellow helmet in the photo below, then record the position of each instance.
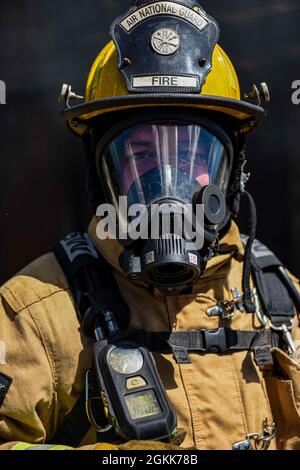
(107, 89)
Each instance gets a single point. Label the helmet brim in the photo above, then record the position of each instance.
(247, 115)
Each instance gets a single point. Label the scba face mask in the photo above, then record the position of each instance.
(175, 170)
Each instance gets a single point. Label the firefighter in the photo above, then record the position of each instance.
(164, 125)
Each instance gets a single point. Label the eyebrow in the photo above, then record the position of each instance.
(141, 142)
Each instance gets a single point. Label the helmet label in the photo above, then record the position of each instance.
(164, 8)
(165, 46)
(173, 81)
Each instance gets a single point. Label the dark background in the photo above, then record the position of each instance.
(42, 165)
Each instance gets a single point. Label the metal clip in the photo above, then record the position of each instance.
(216, 311)
(258, 441)
(263, 441)
(242, 445)
(288, 339)
(92, 396)
(238, 299)
(227, 308)
(258, 310)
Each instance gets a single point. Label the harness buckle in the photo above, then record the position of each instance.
(215, 340)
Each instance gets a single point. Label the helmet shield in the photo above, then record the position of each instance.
(163, 160)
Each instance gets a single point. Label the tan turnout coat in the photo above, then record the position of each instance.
(219, 399)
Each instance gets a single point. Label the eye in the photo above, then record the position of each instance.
(146, 154)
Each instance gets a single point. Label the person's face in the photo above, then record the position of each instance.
(177, 146)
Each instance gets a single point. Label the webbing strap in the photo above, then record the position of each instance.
(94, 289)
(277, 292)
(221, 340)
(276, 301)
(90, 279)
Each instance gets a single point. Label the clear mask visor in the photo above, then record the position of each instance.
(151, 162)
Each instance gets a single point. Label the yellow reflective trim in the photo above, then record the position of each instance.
(61, 448)
(21, 446)
(26, 446)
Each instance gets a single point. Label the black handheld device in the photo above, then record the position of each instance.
(134, 399)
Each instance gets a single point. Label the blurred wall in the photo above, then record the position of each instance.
(42, 166)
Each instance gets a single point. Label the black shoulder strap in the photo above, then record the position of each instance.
(277, 292)
(94, 289)
(90, 279)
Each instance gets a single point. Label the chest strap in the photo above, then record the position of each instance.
(220, 341)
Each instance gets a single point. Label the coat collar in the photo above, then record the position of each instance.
(230, 246)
